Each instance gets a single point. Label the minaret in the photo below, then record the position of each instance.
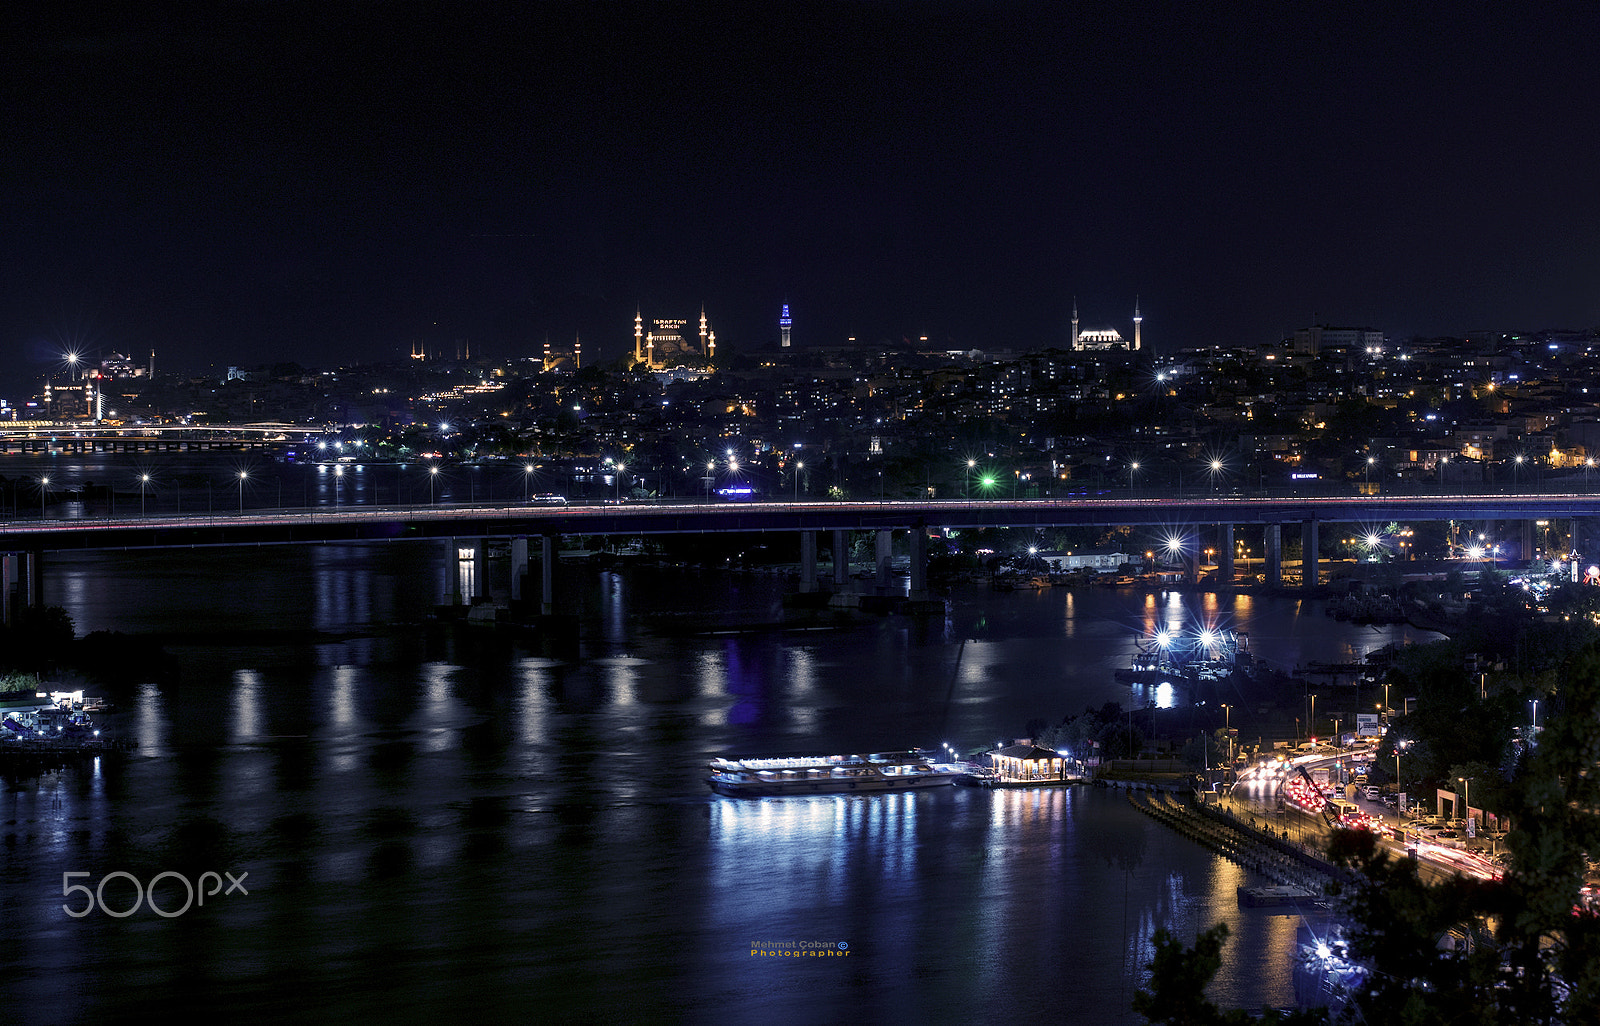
(650, 349)
(577, 352)
(638, 335)
(1136, 320)
(547, 352)
(785, 322)
(703, 349)
(152, 371)
(1075, 344)
(711, 351)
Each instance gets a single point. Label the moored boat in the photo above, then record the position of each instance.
(829, 774)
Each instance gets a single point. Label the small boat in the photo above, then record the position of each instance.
(829, 774)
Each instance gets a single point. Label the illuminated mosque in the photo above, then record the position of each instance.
(666, 344)
(1105, 338)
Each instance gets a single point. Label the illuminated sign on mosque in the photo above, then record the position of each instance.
(668, 331)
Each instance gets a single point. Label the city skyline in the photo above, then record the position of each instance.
(340, 182)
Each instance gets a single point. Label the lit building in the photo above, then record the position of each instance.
(785, 322)
(1084, 339)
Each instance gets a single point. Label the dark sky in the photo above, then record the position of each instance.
(238, 183)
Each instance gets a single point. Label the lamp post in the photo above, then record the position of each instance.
(527, 476)
(242, 475)
(1216, 468)
(1367, 478)
(1133, 468)
(1516, 473)
(1399, 746)
(44, 484)
(338, 476)
(620, 468)
(1466, 796)
(711, 470)
(797, 468)
(1311, 724)
(967, 486)
(433, 474)
(144, 480)
(1444, 462)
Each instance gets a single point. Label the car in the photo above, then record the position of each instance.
(1391, 800)
(1370, 793)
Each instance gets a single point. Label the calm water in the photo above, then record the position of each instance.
(436, 824)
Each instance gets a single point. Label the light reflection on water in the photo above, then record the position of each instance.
(439, 819)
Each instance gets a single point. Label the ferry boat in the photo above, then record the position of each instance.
(830, 774)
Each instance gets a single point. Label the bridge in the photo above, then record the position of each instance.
(77, 437)
(21, 540)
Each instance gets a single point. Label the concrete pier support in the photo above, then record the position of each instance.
(1272, 549)
(918, 540)
(841, 560)
(1526, 540)
(519, 565)
(808, 561)
(1308, 554)
(547, 575)
(883, 553)
(452, 572)
(480, 570)
(1225, 554)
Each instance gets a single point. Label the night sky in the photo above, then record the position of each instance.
(241, 183)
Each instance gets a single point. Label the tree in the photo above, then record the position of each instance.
(1178, 979)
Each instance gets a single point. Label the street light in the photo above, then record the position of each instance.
(1133, 468)
(338, 475)
(1399, 746)
(242, 475)
(144, 479)
(1516, 473)
(1216, 468)
(620, 468)
(1466, 796)
(527, 475)
(44, 484)
(797, 468)
(433, 475)
(711, 469)
(967, 486)
(1367, 480)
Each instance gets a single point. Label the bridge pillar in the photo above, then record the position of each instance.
(1225, 554)
(1525, 535)
(519, 565)
(808, 561)
(883, 553)
(8, 583)
(480, 570)
(918, 539)
(841, 560)
(1272, 550)
(1308, 554)
(452, 572)
(547, 574)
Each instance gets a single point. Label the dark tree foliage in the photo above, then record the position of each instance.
(1179, 976)
(1519, 950)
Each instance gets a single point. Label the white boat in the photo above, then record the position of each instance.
(829, 774)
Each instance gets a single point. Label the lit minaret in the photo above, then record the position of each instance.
(1075, 343)
(650, 349)
(703, 349)
(577, 352)
(1136, 320)
(711, 351)
(152, 371)
(785, 322)
(638, 336)
(547, 352)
